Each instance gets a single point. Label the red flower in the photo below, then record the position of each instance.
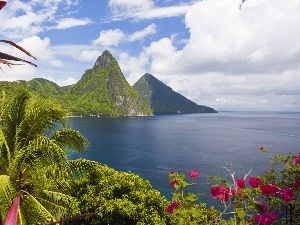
(254, 182)
(173, 182)
(296, 184)
(2, 4)
(297, 159)
(220, 192)
(241, 182)
(261, 147)
(268, 189)
(172, 206)
(265, 218)
(193, 174)
(172, 172)
(287, 194)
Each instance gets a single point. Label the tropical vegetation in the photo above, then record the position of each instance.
(34, 139)
(40, 185)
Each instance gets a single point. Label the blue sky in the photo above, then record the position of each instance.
(217, 53)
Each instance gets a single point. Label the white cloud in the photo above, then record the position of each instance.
(66, 23)
(20, 19)
(144, 9)
(127, 8)
(159, 53)
(56, 63)
(37, 47)
(113, 38)
(133, 66)
(162, 12)
(109, 38)
(140, 35)
(63, 82)
(235, 59)
(256, 39)
(89, 55)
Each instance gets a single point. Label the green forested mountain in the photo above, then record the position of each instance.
(103, 90)
(162, 99)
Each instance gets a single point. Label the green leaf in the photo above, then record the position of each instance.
(180, 221)
(190, 197)
(240, 213)
(175, 196)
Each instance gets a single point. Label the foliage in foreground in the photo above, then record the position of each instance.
(119, 198)
(34, 138)
(269, 199)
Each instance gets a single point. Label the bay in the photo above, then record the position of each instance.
(208, 143)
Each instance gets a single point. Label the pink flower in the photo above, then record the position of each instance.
(254, 182)
(265, 218)
(241, 182)
(220, 192)
(287, 194)
(172, 172)
(193, 174)
(296, 184)
(268, 189)
(173, 182)
(172, 206)
(297, 159)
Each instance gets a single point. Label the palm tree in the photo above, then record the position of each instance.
(34, 138)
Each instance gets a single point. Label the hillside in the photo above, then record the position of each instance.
(103, 90)
(162, 99)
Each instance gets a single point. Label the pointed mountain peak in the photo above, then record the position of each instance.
(162, 99)
(105, 60)
(148, 76)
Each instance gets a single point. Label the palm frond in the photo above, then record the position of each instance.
(12, 115)
(12, 215)
(33, 211)
(5, 157)
(7, 195)
(18, 47)
(58, 204)
(3, 102)
(38, 121)
(70, 139)
(4, 58)
(41, 152)
(79, 167)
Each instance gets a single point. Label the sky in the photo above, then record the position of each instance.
(239, 55)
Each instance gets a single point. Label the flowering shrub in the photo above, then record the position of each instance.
(184, 209)
(260, 200)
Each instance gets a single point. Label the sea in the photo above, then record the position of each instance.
(221, 143)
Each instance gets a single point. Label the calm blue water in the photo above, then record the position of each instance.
(152, 146)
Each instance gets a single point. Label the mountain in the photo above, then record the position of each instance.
(162, 99)
(44, 88)
(103, 90)
(39, 87)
